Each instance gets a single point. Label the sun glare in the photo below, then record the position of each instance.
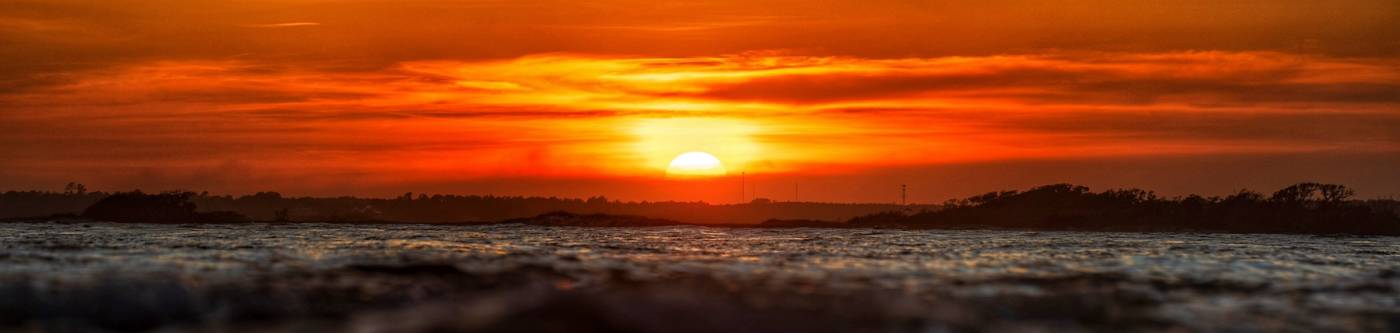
(662, 142)
(696, 164)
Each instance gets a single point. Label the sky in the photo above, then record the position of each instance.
(808, 100)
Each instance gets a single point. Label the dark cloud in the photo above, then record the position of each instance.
(825, 88)
(58, 35)
(1070, 82)
(1328, 128)
(348, 115)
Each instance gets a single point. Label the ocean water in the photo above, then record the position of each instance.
(409, 278)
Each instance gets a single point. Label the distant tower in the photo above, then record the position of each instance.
(903, 195)
(743, 186)
(794, 192)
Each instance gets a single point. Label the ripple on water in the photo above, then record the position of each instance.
(1188, 276)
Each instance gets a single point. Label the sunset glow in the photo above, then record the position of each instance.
(699, 165)
(601, 107)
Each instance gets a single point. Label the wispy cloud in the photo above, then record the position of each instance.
(572, 115)
(283, 25)
(706, 25)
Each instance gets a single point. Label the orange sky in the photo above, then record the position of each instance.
(842, 99)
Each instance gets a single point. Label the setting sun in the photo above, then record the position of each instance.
(696, 164)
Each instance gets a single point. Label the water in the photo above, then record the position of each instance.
(514, 277)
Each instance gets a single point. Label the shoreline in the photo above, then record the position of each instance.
(564, 219)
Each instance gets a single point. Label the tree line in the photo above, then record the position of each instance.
(1300, 208)
(425, 208)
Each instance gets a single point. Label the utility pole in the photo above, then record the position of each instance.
(743, 186)
(903, 195)
(794, 192)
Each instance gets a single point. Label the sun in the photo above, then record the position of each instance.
(658, 141)
(695, 164)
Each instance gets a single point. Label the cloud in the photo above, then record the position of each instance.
(57, 34)
(410, 92)
(284, 25)
(1198, 78)
(562, 115)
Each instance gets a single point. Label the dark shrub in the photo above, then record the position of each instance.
(168, 207)
(1301, 208)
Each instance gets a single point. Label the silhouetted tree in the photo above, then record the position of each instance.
(74, 189)
(166, 207)
(1295, 194)
(1300, 208)
(1333, 193)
